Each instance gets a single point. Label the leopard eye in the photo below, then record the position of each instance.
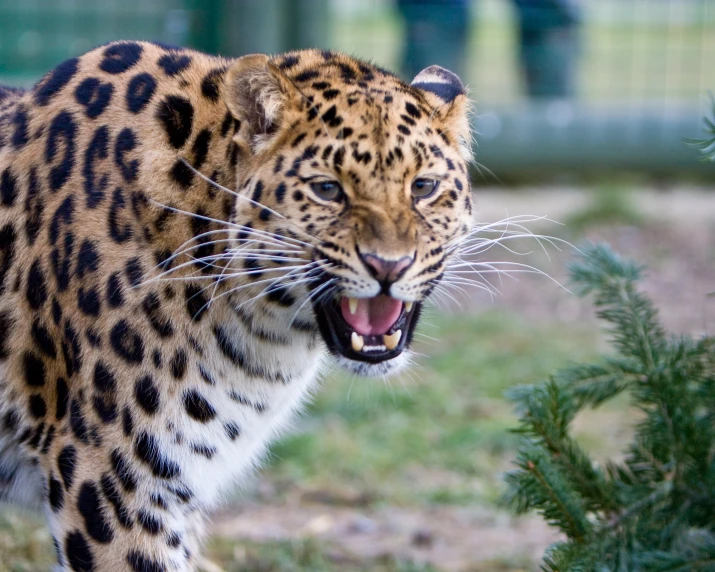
(327, 190)
(423, 188)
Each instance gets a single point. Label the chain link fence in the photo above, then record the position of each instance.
(638, 70)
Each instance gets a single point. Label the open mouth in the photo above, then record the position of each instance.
(367, 329)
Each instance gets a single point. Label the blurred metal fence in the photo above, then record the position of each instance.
(642, 72)
(36, 35)
(642, 67)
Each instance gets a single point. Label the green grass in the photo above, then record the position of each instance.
(25, 544)
(608, 205)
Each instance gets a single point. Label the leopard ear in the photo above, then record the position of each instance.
(256, 94)
(439, 82)
(447, 94)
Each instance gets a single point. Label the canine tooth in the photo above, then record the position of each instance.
(408, 306)
(392, 340)
(357, 341)
(352, 304)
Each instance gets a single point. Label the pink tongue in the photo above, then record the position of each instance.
(373, 316)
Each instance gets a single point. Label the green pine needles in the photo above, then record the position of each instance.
(706, 146)
(655, 511)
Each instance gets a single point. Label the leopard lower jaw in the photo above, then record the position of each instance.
(381, 369)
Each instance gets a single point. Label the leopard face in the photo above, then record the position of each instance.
(368, 176)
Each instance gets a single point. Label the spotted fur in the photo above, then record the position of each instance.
(150, 346)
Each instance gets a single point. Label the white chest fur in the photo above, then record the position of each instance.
(249, 409)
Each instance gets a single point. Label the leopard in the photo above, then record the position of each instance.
(187, 243)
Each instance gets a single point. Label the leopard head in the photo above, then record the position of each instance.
(362, 177)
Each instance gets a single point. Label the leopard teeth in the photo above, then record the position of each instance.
(357, 341)
(353, 306)
(408, 306)
(392, 340)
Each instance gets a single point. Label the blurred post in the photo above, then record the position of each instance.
(435, 33)
(548, 46)
(239, 27)
(205, 23)
(252, 26)
(307, 24)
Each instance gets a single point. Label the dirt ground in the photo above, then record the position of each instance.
(447, 537)
(676, 240)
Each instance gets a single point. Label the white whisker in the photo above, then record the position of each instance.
(262, 293)
(247, 199)
(325, 285)
(232, 225)
(184, 248)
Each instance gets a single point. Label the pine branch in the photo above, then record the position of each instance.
(592, 384)
(656, 509)
(547, 412)
(541, 485)
(706, 146)
(636, 509)
(636, 331)
(694, 552)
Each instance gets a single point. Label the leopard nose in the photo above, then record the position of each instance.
(386, 271)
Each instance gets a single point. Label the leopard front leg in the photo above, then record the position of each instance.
(106, 515)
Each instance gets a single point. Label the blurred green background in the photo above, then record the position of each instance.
(642, 67)
(405, 474)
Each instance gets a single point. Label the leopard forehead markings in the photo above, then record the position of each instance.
(170, 280)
